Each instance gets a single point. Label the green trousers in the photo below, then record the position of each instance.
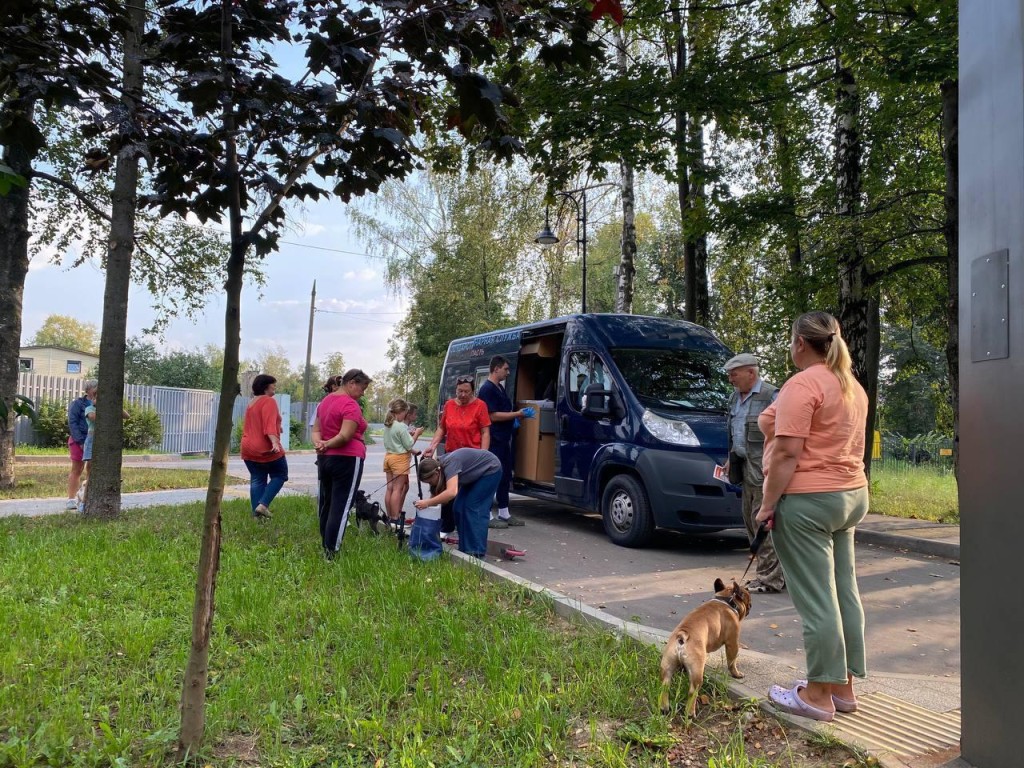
(813, 536)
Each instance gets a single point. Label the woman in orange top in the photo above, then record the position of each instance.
(464, 423)
(815, 493)
(262, 451)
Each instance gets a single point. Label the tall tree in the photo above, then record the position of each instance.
(104, 497)
(372, 74)
(67, 331)
(49, 57)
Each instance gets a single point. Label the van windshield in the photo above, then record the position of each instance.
(681, 379)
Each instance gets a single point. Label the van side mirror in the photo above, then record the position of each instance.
(600, 403)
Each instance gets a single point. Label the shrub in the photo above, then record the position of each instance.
(296, 433)
(142, 428)
(236, 435)
(52, 424)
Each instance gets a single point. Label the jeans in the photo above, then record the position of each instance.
(265, 480)
(473, 512)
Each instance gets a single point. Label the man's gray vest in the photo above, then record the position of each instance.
(753, 435)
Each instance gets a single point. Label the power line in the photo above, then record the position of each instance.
(342, 312)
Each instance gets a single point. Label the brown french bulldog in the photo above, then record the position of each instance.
(702, 631)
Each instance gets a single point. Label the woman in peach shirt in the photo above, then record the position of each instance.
(815, 493)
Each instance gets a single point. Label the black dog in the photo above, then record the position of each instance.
(368, 511)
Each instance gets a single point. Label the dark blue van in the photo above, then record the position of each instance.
(631, 418)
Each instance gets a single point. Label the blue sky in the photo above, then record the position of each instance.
(348, 283)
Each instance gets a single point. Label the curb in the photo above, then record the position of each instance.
(947, 550)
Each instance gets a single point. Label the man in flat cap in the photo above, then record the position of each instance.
(746, 452)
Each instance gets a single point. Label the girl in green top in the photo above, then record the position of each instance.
(398, 444)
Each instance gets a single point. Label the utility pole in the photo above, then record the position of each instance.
(309, 355)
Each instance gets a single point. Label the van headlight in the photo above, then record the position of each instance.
(669, 430)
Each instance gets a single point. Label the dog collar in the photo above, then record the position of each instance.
(731, 602)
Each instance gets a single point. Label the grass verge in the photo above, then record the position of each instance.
(38, 450)
(370, 660)
(50, 481)
(913, 492)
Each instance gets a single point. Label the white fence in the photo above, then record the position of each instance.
(188, 416)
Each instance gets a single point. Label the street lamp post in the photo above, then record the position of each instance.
(578, 198)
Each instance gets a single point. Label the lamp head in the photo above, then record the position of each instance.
(546, 236)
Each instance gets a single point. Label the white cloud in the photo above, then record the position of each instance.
(310, 229)
(364, 274)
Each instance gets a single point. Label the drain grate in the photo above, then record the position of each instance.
(884, 724)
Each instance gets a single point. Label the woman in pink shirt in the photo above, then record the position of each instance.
(338, 439)
(815, 493)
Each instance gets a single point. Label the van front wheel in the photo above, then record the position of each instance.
(627, 512)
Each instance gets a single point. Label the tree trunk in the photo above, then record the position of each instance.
(677, 65)
(104, 495)
(627, 258)
(193, 694)
(696, 225)
(789, 180)
(951, 233)
(696, 204)
(857, 315)
(627, 255)
(689, 146)
(14, 234)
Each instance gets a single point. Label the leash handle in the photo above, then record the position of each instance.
(416, 466)
(759, 537)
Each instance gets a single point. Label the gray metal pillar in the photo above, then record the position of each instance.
(992, 379)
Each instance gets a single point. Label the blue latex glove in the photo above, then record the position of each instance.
(515, 423)
(529, 412)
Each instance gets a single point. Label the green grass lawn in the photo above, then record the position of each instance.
(45, 481)
(914, 492)
(312, 663)
(370, 660)
(38, 450)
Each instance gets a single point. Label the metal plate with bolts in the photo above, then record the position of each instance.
(990, 304)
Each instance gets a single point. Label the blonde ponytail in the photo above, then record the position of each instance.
(822, 332)
(395, 407)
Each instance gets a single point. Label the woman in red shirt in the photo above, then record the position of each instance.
(262, 451)
(464, 423)
(338, 439)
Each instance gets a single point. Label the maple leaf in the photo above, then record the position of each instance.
(604, 8)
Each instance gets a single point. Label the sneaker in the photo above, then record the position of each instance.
(756, 586)
(513, 521)
(72, 504)
(497, 522)
(261, 511)
(450, 539)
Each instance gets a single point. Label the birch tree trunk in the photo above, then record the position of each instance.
(104, 490)
(627, 256)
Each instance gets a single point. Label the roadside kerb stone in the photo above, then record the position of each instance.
(918, 543)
